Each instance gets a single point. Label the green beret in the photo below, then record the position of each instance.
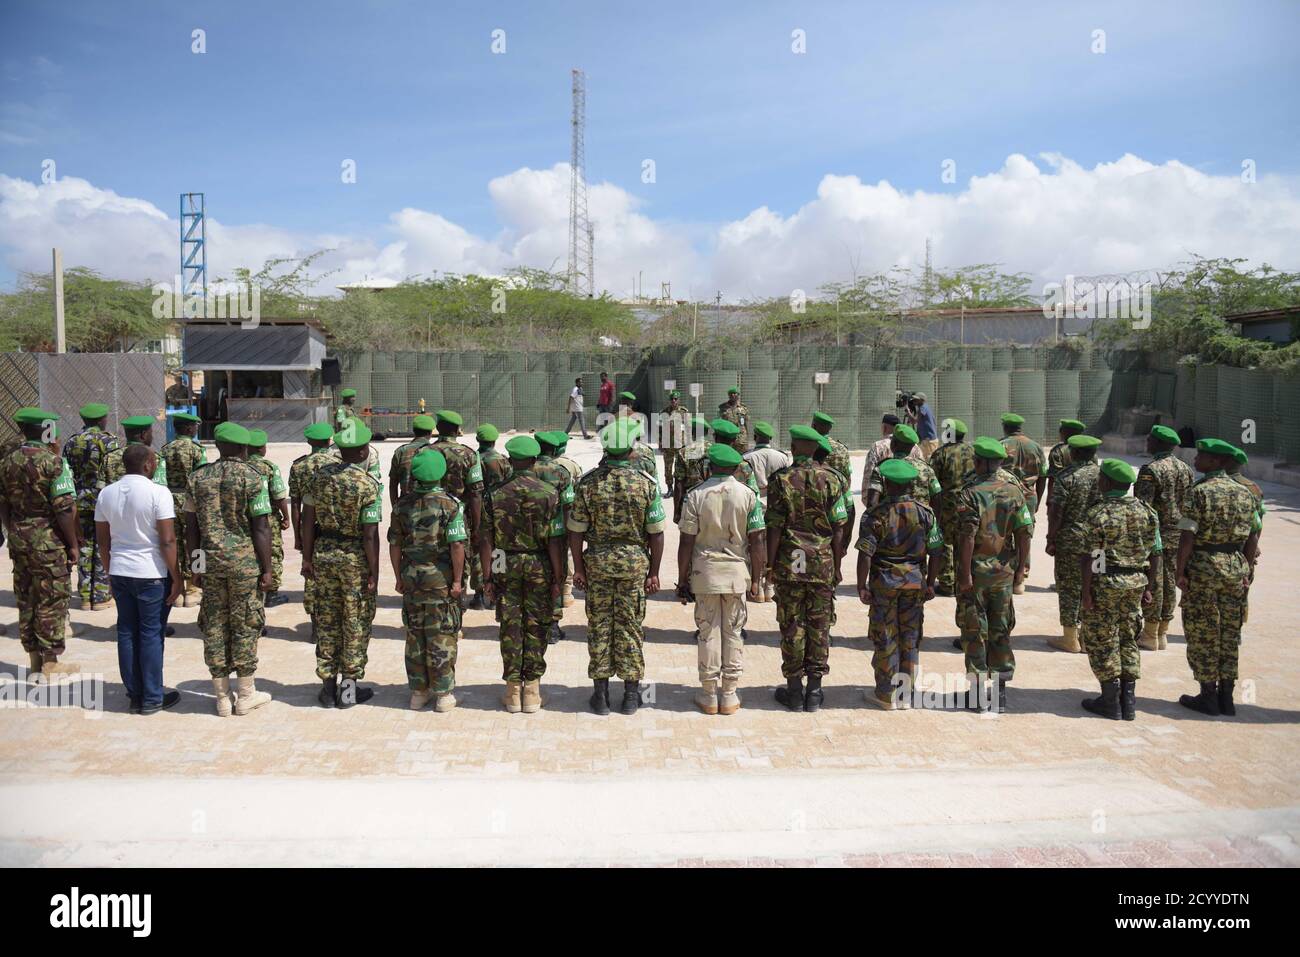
(956, 425)
(987, 448)
(97, 410)
(898, 470)
(136, 421)
(635, 426)
(1117, 470)
(1165, 434)
(179, 416)
(1239, 455)
(318, 431)
(629, 396)
(352, 436)
(29, 414)
(487, 432)
(699, 422)
(450, 417)
(724, 429)
(824, 444)
(1083, 441)
(231, 432)
(424, 422)
(428, 466)
(1074, 424)
(724, 455)
(674, 394)
(1010, 418)
(823, 418)
(906, 433)
(348, 394)
(1215, 447)
(765, 430)
(20, 413)
(561, 438)
(733, 391)
(523, 447)
(617, 437)
(548, 438)
(806, 432)
(256, 438)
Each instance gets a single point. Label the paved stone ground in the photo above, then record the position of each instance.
(1045, 785)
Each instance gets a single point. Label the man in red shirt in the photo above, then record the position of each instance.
(605, 400)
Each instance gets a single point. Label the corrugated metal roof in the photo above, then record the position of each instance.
(258, 349)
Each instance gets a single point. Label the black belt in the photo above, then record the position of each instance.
(895, 561)
(1224, 547)
(1125, 569)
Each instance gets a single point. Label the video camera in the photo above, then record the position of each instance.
(904, 399)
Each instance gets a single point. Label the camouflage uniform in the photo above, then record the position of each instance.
(346, 499)
(1027, 462)
(692, 466)
(38, 487)
(342, 413)
(526, 512)
(1127, 531)
(990, 508)
(180, 458)
(840, 460)
(896, 536)
(1163, 483)
(464, 471)
(225, 496)
(675, 426)
(737, 415)
(496, 470)
(85, 451)
(114, 469)
(1221, 514)
(278, 491)
(1058, 459)
(951, 463)
(1074, 492)
(805, 503)
(617, 508)
(399, 466)
(300, 475)
(426, 523)
(923, 486)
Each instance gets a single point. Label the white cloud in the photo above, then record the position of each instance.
(1049, 219)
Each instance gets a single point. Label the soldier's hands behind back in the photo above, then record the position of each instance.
(864, 594)
(651, 584)
(265, 582)
(684, 592)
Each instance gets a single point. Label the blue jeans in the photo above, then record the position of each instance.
(141, 619)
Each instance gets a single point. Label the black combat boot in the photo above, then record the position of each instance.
(1225, 698)
(328, 691)
(813, 697)
(1107, 705)
(554, 634)
(350, 693)
(1207, 702)
(956, 643)
(792, 694)
(980, 696)
(600, 696)
(631, 696)
(1128, 698)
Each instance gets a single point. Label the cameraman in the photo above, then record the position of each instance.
(920, 417)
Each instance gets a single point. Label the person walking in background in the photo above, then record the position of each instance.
(135, 527)
(575, 409)
(605, 400)
(923, 421)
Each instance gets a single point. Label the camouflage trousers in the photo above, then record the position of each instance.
(804, 612)
(41, 591)
(432, 628)
(947, 578)
(670, 464)
(1164, 597)
(525, 612)
(1069, 586)
(344, 611)
(90, 554)
(183, 546)
(1213, 609)
(277, 554)
(986, 616)
(897, 618)
(615, 627)
(231, 617)
(309, 598)
(1110, 633)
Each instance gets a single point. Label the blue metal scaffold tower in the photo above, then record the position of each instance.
(194, 255)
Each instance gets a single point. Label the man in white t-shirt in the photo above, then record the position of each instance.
(575, 408)
(136, 535)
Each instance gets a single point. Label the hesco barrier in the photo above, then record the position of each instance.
(973, 383)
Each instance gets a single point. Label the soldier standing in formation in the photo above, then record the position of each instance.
(318, 436)
(227, 520)
(720, 558)
(549, 469)
(521, 549)
(1074, 492)
(139, 431)
(903, 445)
(838, 459)
(734, 411)
(575, 475)
(1028, 463)
(899, 547)
(496, 469)
(85, 451)
(674, 427)
(1118, 567)
(1163, 483)
(952, 462)
(180, 457)
(692, 465)
(765, 458)
(280, 519)
(399, 466)
(805, 518)
(464, 478)
(340, 549)
(1216, 559)
(38, 511)
(1058, 458)
(426, 545)
(1233, 470)
(993, 528)
(619, 513)
(345, 411)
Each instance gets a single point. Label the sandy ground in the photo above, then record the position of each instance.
(1045, 784)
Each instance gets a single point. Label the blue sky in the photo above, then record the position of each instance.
(712, 92)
